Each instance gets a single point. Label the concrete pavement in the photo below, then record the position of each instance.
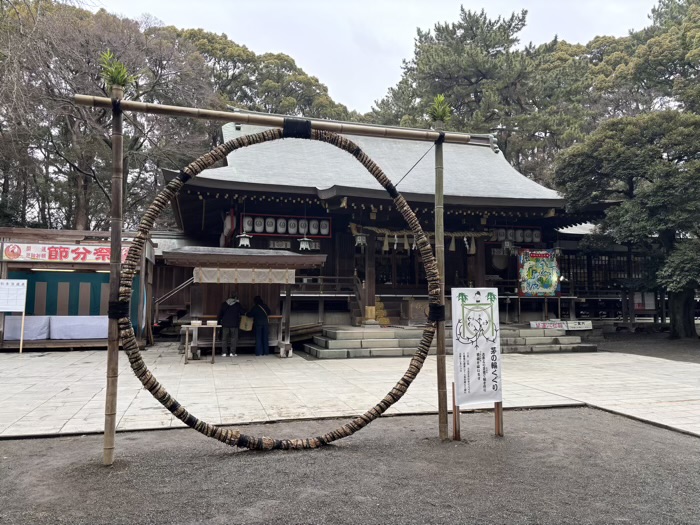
(63, 392)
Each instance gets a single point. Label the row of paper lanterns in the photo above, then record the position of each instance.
(283, 226)
(516, 235)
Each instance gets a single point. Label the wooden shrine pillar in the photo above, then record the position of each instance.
(285, 344)
(370, 313)
(480, 263)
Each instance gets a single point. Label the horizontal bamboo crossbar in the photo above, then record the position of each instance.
(276, 121)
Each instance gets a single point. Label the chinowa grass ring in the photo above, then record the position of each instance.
(295, 129)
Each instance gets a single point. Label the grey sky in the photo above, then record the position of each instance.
(356, 48)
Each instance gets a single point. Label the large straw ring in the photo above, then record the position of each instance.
(235, 437)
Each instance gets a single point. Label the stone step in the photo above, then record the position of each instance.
(540, 332)
(563, 340)
(350, 353)
(326, 342)
(358, 333)
(527, 349)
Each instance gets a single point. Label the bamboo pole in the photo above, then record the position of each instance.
(3, 275)
(277, 121)
(440, 257)
(114, 276)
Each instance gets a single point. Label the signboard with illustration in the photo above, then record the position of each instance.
(538, 273)
(476, 346)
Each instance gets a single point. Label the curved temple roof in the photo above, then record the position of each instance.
(472, 174)
(241, 258)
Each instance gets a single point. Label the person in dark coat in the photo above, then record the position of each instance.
(229, 318)
(261, 325)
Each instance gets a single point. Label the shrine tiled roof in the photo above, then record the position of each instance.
(472, 174)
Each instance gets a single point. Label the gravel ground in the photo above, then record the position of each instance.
(556, 466)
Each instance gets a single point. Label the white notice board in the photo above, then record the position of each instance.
(476, 347)
(13, 295)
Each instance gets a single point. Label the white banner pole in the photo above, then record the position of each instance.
(21, 334)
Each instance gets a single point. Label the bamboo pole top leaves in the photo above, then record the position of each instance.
(440, 111)
(114, 72)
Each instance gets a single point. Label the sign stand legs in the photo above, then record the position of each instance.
(456, 434)
(498, 413)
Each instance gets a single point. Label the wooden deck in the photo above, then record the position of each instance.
(60, 344)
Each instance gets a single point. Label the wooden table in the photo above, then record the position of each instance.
(195, 329)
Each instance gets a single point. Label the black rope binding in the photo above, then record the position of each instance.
(391, 189)
(117, 310)
(436, 312)
(116, 106)
(296, 128)
(441, 138)
(184, 177)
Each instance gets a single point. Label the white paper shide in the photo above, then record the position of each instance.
(476, 346)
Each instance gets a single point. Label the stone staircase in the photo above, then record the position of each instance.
(527, 340)
(343, 342)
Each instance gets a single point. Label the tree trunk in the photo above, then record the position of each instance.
(682, 309)
(81, 202)
(630, 277)
(24, 202)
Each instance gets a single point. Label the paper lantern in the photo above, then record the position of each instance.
(258, 225)
(303, 226)
(325, 227)
(313, 227)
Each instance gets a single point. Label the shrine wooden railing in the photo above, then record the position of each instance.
(360, 289)
(323, 284)
(162, 299)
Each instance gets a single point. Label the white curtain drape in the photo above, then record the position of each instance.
(243, 275)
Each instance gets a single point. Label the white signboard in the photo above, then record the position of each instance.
(476, 346)
(557, 325)
(563, 325)
(579, 325)
(13, 295)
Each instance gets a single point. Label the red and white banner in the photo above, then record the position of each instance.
(58, 253)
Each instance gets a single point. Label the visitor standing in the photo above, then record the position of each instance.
(229, 318)
(261, 325)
